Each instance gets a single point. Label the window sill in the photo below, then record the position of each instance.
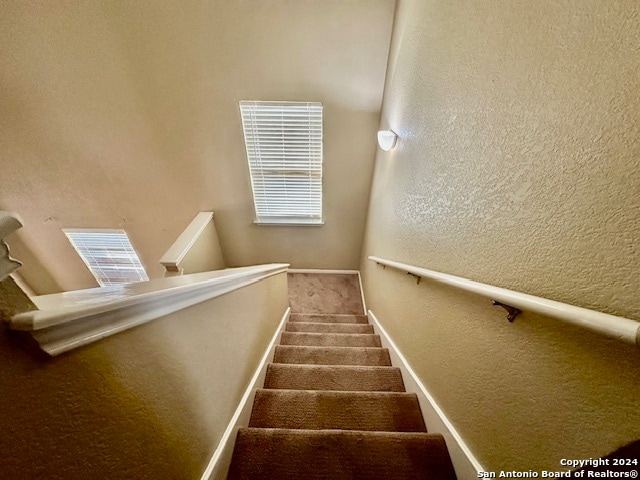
(289, 223)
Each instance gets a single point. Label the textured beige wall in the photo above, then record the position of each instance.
(125, 115)
(148, 403)
(13, 300)
(205, 254)
(518, 165)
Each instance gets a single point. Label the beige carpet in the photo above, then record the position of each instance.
(334, 377)
(332, 355)
(386, 412)
(332, 406)
(328, 327)
(290, 454)
(310, 339)
(327, 318)
(327, 293)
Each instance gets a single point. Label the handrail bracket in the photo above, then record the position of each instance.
(512, 312)
(417, 277)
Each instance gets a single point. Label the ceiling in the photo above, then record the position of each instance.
(125, 115)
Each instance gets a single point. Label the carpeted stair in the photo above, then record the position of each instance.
(330, 339)
(328, 318)
(332, 406)
(332, 355)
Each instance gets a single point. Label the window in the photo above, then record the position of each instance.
(284, 150)
(109, 256)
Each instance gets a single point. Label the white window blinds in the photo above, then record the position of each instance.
(109, 255)
(284, 150)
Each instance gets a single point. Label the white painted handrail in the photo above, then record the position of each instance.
(619, 328)
(179, 249)
(69, 320)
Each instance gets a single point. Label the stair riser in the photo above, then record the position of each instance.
(292, 354)
(331, 455)
(328, 327)
(385, 412)
(330, 339)
(339, 378)
(298, 317)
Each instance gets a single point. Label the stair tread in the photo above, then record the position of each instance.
(333, 334)
(333, 377)
(337, 455)
(316, 355)
(324, 327)
(322, 409)
(328, 318)
(331, 339)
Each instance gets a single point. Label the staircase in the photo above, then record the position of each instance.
(332, 406)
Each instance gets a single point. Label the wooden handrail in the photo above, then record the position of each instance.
(620, 328)
(69, 320)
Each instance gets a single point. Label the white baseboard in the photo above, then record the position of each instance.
(311, 270)
(364, 304)
(221, 459)
(464, 462)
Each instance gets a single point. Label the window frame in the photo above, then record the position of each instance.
(269, 172)
(100, 271)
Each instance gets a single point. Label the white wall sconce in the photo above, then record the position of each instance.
(387, 139)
